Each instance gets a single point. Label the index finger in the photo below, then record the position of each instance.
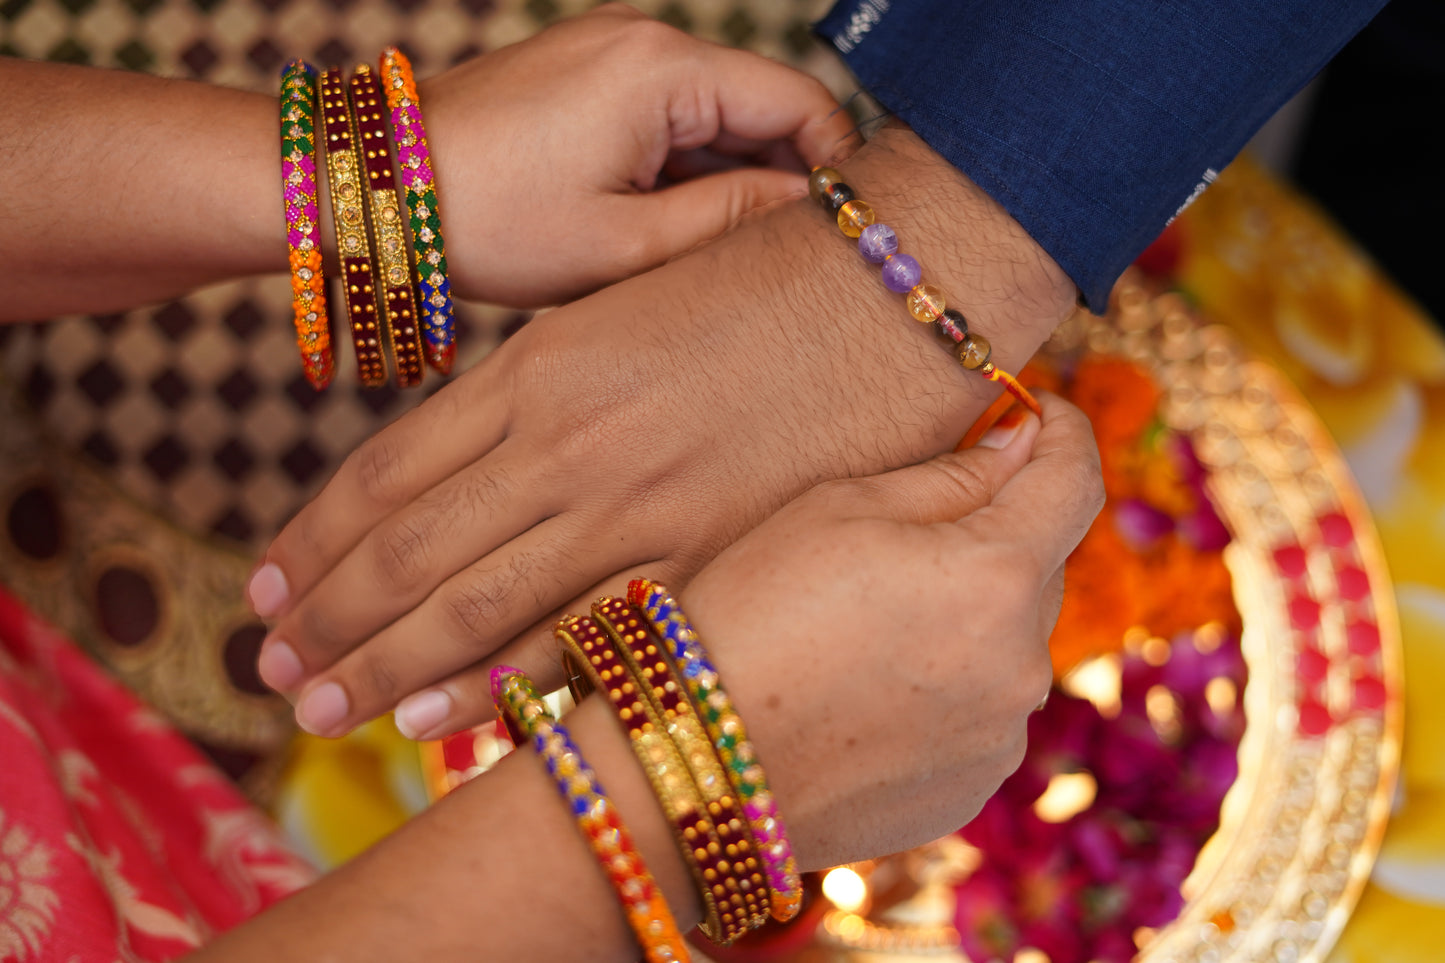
(1048, 505)
(758, 100)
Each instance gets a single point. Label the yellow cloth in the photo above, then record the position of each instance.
(1266, 262)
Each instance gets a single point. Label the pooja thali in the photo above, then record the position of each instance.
(1301, 824)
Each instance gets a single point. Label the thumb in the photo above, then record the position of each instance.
(676, 219)
(952, 485)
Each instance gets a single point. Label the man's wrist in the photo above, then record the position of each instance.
(969, 245)
(1009, 290)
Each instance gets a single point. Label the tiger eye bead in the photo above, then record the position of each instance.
(836, 196)
(854, 216)
(974, 352)
(925, 302)
(952, 327)
(820, 181)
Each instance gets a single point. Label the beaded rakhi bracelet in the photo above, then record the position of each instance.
(419, 183)
(741, 888)
(398, 309)
(348, 207)
(528, 719)
(730, 739)
(589, 651)
(298, 185)
(878, 243)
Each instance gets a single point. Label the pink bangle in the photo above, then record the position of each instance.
(434, 296)
(730, 738)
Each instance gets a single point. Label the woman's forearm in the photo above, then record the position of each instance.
(497, 870)
(122, 189)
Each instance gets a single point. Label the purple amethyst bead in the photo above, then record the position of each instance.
(901, 273)
(877, 242)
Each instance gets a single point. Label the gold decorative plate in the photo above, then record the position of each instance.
(1300, 828)
(1302, 824)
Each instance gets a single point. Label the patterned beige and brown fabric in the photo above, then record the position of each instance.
(146, 457)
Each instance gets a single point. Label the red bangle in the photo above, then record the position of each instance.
(348, 206)
(590, 651)
(742, 888)
(398, 309)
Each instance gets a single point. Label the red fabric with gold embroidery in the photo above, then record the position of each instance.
(118, 840)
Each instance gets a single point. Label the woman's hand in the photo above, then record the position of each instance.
(885, 638)
(644, 428)
(547, 154)
(550, 151)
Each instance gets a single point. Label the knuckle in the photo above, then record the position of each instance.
(317, 641)
(474, 610)
(969, 484)
(646, 35)
(403, 552)
(1091, 487)
(381, 470)
(1033, 680)
(381, 680)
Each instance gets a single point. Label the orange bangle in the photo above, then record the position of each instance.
(528, 719)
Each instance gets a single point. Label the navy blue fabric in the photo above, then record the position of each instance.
(1092, 121)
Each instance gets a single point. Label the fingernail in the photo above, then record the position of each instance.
(421, 713)
(268, 590)
(279, 666)
(323, 709)
(999, 436)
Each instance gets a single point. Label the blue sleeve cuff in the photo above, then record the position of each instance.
(1093, 122)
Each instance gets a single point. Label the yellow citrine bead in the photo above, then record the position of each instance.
(974, 351)
(820, 180)
(854, 216)
(925, 302)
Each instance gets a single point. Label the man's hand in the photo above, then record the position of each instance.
(642, 429)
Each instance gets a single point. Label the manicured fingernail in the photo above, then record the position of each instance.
(268, 590)
(419, 714)
(323, 709)
(279, 666)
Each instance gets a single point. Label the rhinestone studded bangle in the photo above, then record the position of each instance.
(902, 274)
(348, 207)
(730, 739)
(743, 887)
(591, 654)
(419, 183)
(398, 308)
(298, 180)
(528, 719)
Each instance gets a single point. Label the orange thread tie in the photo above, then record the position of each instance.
(1011, 384)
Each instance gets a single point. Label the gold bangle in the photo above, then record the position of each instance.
(742, 887)
(348, 207)
(398, 307)
(593, 662)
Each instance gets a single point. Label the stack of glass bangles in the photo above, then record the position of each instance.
(645, 657)
(902, 274)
